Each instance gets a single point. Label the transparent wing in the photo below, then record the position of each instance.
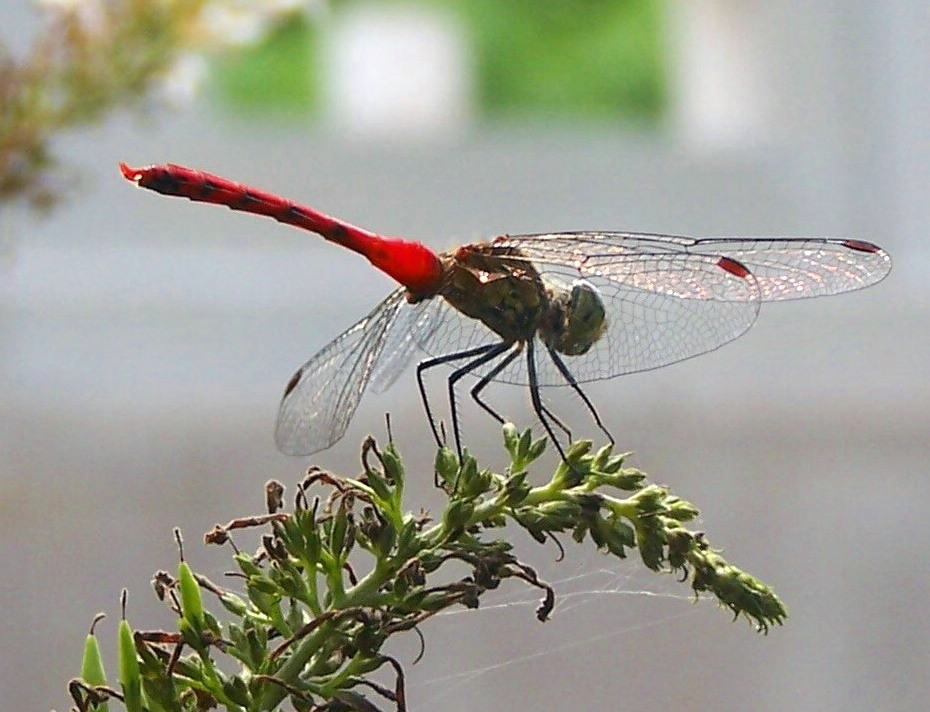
(785, 268)
(669, 298)
(322, 396)
(413, 325)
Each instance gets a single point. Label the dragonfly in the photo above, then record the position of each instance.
(537, 310)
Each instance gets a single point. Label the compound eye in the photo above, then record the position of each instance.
(586, 306)
(585, 319)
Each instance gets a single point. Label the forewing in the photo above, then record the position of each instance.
(323, 395)
(785, 268)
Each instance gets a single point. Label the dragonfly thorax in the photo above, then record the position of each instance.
(504, 292)
(575, 319)
(508, 295)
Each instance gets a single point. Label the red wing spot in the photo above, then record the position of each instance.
(292, 384)
(733, 267)
(861, 246)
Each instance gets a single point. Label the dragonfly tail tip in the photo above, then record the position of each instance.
(130, 173)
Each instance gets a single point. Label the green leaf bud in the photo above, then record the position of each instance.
(237, 691)
(446, 465)
(393, 466)
(92, 671)
(191, 598)
(130, 678)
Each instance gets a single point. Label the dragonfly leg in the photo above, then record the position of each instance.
(555, 419)
(570, 380)
(541, 411)
(489, 376)
(426, 364)
(492, 353)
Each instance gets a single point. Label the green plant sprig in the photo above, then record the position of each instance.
(308, 628)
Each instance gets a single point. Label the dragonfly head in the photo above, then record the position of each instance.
(577, 319)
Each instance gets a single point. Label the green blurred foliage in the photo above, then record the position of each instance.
(277, 77)
(568, 58)
(534, 59)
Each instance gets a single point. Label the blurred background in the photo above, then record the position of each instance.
(145, 342)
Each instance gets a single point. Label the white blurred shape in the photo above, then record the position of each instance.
(396, 71)
(719, 78)
(182, 81)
